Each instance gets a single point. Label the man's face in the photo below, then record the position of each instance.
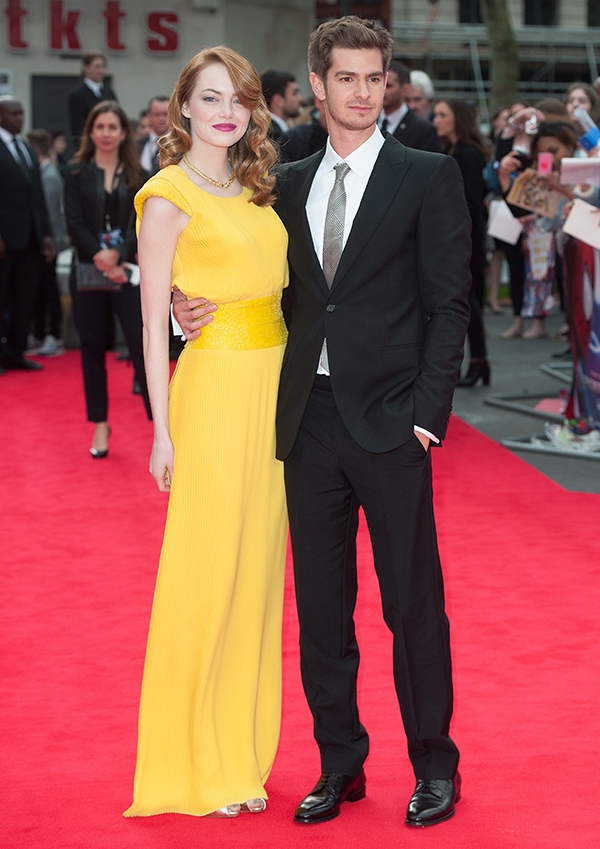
(392, 96)
(353, 89)
(415, 99)
(11, 116)
(292, 100)
(158, 115)
(96, 70)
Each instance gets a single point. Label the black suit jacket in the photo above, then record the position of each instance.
(84, 210)
(396, 315)
(22, 205)
(81, 102)
(414, 131)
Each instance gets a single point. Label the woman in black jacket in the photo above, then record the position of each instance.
(455, 122)
(100, 184)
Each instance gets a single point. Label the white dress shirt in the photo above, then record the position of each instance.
(149, 151)
(10, 141)
(361, 162)
(95, 87)
(280, 123)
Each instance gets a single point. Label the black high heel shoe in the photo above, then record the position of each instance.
(98, 453)
(478, 370)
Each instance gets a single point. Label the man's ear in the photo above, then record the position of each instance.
(318, 86)
(276, 104)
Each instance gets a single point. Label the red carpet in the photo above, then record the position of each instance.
(80, 542)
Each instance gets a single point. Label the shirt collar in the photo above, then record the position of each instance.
(95, 87)
(394, 118)
(280, 123)
(6, 136)
(360, 160)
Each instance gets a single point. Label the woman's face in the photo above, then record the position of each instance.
(549, 144)
(60, 144)
(576, 99)
(217, 116)
(499, 122)
(443, 121)
(107, 132)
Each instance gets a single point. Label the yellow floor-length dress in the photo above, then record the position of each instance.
(211, 692)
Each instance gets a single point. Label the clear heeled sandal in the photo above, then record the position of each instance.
(254, 806)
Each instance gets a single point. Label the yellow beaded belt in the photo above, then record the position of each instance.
(244, 326)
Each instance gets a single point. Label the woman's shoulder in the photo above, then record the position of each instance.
(468, 150)
(76, 166)
(169, 183)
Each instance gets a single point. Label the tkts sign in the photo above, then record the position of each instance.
(162, 28)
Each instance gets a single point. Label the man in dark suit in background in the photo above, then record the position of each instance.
(283, 97)
(379, 280)
(396, 118)
(25, 235)
(158, 115)
(91, 91)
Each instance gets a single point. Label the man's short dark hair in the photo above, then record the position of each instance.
(401, 70)
(160, 98)
(349, 32)
(275, 82)
(41, 140)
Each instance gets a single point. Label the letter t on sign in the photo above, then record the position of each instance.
(14, 11)
(113, 15)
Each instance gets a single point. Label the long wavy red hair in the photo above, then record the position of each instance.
(254, 154)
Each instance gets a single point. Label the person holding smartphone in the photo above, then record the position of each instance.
(553, 141)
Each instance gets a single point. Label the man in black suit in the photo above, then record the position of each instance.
(396, 118)
(283, 97)
(158, 115)
(25, 234)
(375, 344)
(91, 91)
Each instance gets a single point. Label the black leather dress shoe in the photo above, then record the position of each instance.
(433, 800)
(324, 802)
(21, 364)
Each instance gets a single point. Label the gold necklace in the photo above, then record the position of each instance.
(217, 183)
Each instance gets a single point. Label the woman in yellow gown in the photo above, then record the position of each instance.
(211, 692)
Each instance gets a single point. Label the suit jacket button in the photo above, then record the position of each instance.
(330, 307)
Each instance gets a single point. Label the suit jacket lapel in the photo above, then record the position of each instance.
(383, 186)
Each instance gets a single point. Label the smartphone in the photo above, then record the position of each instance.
(545, 163)
(524, 158)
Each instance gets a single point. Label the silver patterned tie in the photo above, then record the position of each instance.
(333, 238)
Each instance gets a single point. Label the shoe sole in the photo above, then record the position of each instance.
(355, 796)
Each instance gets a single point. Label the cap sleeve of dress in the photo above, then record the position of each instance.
(161, 186)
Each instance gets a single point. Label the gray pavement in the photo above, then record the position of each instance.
(515, 370)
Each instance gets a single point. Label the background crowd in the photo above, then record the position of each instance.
(35, 224)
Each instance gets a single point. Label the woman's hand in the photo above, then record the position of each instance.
(509, 164)
(106, 258)
(517, 122)
(161, 463)
(553, 180)
(117, 275)
(191, 315)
